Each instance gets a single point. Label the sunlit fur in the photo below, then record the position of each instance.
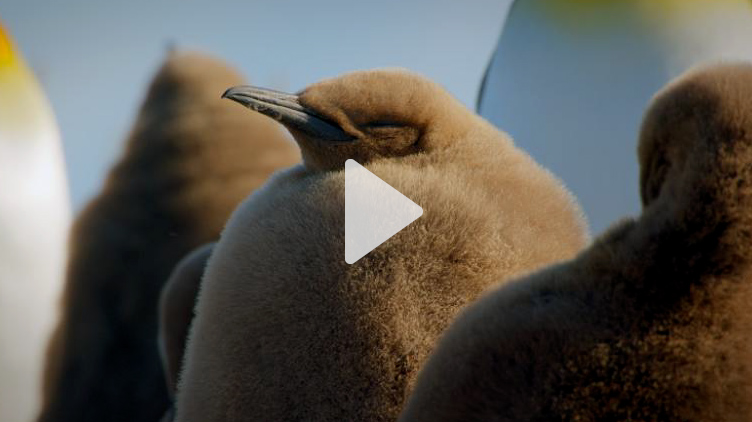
(190, 159)
(653, 321)
(285, 330)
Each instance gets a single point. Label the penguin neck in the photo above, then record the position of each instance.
(694, 236)
(707, 210)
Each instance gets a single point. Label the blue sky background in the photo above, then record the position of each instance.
(95, 58)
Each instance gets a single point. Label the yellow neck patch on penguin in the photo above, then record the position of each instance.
(578, 15)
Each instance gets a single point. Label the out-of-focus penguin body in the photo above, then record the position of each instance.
(652, 322)
(285, 330)
(569, 79)
(189, 160)
(177, 303)
(176, 311)
(34, 222)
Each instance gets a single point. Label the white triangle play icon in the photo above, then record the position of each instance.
(374, 211)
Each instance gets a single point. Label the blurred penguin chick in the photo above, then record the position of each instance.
(285, 330)
(652, 322)
(176, 311)
(176, 304)
(189, 160)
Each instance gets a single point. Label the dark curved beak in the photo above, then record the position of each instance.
(286, 109)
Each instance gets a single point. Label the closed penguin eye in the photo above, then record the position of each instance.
(383, 124)
(391, 132)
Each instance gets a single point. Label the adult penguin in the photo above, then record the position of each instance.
(34, 222)
(569, 79)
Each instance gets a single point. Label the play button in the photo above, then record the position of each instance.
(374, 211)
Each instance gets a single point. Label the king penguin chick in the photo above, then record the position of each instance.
(176, 304)
(285, 330)
(189, 160)
(652, 322)
(176, 311)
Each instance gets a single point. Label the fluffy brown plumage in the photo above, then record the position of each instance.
(652, 322)
(285, 330)
(176, 304)
(176, 311)
(189, 160)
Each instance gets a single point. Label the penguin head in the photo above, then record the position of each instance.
(188, 77)
(364, 115)
(698, 121)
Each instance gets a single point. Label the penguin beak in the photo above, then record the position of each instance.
(286, 109)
